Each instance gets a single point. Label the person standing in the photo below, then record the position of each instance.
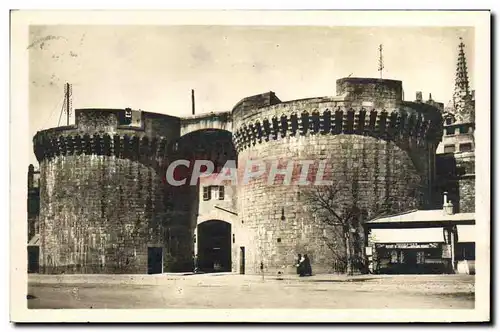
(307, 266)
(301, 266)
(299, 258)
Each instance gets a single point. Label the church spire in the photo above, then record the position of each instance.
(461, 94)
(461, 76)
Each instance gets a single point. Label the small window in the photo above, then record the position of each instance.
(221, 193)
(449, 121)
(460, 170)
(450, 131)
(394, 257)
(130, 118)
(449, 148)
(206, 193)
(126, 118)
(464, 130)
(465, 147)
(420, 257)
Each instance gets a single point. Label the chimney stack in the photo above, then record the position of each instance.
(447, 205)
(192, 101)
(418, 97)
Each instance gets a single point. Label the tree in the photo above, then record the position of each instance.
(332, 207)
(338, 207)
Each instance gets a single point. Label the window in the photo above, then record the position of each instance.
(221, 193)
(130, 118)
(215, 192)
(394, 257)
(460, 170)
(449, 121)
(466, 251)
(420, 257)
(126, 118)
(465, 147)
(450, 131)
(449, 148)
(206, 193)
(464, 130)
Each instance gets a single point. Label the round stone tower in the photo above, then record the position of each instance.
(102, 197)
(366, 140)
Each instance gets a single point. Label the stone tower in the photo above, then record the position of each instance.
(103, 206)
(368, 137)
(455, 155)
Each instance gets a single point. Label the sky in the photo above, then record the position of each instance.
(154, 68)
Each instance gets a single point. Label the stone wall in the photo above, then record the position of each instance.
(102, 195)
(105, 199)
(99, 214)
(371, 92)
(466, 181)
(220, 120)
(387, 154)
(278, 219)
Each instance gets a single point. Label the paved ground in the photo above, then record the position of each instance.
(244, 291)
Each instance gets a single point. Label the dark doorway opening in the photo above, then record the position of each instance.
(155, 260)
(33, 259)
(242, 260)
(214, 246)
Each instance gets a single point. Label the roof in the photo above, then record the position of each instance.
(418, 216)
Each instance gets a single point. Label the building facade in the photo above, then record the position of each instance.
(440, 240)
(106, 205)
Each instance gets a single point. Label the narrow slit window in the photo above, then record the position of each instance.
(206, 193)
(221, 193)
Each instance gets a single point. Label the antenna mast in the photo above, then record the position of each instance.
(68, 92)
(380, 60)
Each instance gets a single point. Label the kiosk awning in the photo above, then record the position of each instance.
(412, 235)
(466, 233)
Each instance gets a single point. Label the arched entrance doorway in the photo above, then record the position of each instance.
(214, 246)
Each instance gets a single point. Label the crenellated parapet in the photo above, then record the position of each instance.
(406, 126)
(123, 133)
(134, 147)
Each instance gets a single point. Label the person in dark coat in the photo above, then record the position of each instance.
(301, 266)
(307, 266)
(299, 258)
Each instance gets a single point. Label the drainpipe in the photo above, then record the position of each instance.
(448, 210)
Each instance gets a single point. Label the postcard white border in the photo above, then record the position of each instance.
(21, 145)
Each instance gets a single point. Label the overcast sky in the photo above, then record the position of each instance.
(154, 68)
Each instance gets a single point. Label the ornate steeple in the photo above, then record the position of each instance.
(462, 98)
(461, 76)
